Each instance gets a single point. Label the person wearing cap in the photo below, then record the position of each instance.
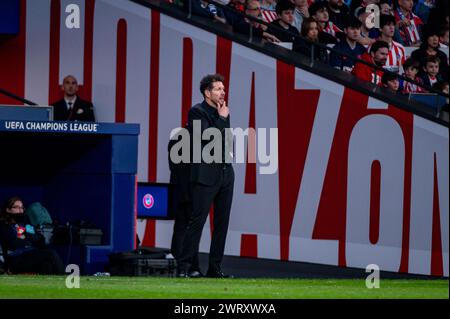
(349, 46)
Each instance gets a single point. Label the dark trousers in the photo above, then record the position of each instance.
(42, 261)
(221, 194)
(183, 212)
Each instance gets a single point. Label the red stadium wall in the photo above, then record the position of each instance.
(357, 182)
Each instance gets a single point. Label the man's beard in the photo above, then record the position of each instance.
(380, 63)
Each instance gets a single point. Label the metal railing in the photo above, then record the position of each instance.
(16, 97)
(315, 48)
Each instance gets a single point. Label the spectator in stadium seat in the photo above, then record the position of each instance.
(444, 88)
(349, 46)
(439, 15)
(443, 37)
(408, 24)
(207, 10)
(310, 31)
(431, 68)
(71, 107)
(24, 249)
(368, 33)
(411, 69)
(357, 4)
(243, 25)
(390, 82)
(232, 11)
(386, 7)
(268, 10)
(319, 11)
(282, 27)
(397, 54)
(377, 55)
(430, 47)
(268, 4)
(423, 8)
(300, 13)
(338, 12)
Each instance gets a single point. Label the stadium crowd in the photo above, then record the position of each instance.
(406, 37)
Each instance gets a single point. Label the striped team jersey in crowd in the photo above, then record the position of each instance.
(410, 34)
(332, 29)
(268, 15)
(407, 87)
(396, 57)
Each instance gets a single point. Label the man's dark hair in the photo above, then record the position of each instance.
(430, 31)
(411, 63)
(284, 5)
(386, 19)
(316, 6)
(352, 22)
(387, 76)
(378, 45)
(207, 82)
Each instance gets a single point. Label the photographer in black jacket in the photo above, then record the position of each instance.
(23, 248)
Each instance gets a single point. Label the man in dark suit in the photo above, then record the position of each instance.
(212, 182)
(181, 206)
(71, 107)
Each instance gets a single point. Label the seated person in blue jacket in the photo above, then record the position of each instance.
(72, 107)
(23, 248)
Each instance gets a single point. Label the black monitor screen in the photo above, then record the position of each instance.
(153, 200)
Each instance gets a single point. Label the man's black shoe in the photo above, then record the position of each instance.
(217, 274)
(195, 274)
(182, 274)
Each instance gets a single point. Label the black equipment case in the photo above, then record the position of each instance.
(142, 262)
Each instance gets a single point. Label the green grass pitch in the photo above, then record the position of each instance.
(54, 287)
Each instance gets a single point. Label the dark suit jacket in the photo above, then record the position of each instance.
(82, 111)
(207, 173)
(426, 79)
(179, 178)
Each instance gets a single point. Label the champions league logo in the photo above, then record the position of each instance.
(148, 201)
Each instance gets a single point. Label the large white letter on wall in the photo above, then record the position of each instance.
(106, 18)
(430, 140)
(251, 209)
(375, 138)
(302, 247)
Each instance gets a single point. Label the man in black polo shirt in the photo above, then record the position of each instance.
(212, 182)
